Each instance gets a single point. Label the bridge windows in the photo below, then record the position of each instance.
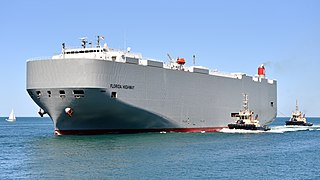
(84, 51)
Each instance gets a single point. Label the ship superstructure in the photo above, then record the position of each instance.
(96, 90)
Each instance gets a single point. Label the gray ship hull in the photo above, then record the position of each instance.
(116, 97)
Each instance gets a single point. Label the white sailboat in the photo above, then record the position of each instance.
(11, 117)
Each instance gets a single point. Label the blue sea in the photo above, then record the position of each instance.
(29, 150)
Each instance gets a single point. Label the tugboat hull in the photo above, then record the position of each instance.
(247, 127)
(298, 123)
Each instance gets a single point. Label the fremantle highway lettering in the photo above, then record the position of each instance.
(121, 86)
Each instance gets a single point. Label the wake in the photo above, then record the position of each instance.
(274, 129)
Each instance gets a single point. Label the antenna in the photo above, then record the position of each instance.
(297, 107)
(98, 41)
(63, 49)
(245, 102)
(194, 59)
(124, 40)
(84, 41)
(171, 60)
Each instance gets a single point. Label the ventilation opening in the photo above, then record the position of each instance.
(49, 93)
(113, 94)
(271, 104)
(62, 92)
(78, 92)
(38, 93)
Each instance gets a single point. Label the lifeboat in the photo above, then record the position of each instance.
(181, 61)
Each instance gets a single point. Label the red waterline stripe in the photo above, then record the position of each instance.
(129, 131)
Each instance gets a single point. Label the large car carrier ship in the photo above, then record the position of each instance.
(98, 90)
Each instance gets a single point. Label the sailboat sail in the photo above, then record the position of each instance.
(11, 117)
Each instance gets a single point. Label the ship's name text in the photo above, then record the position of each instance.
(121, 86)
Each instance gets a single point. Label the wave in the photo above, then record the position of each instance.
(241, 131)
(274, 129)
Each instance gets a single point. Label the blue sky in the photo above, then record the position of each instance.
(228, 35)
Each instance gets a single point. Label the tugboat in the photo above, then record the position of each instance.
(245, 119)
(297, 119)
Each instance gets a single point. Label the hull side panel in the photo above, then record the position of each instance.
(147, 97)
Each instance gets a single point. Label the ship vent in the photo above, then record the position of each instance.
(154, 63)
(38, 93)
(132, 60)
(78, 93)
(200, 70)
(62, 93)
(49, 93)
(113, 95)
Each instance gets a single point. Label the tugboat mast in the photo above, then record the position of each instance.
(245, 102)
(98, 41)
(84, 42)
